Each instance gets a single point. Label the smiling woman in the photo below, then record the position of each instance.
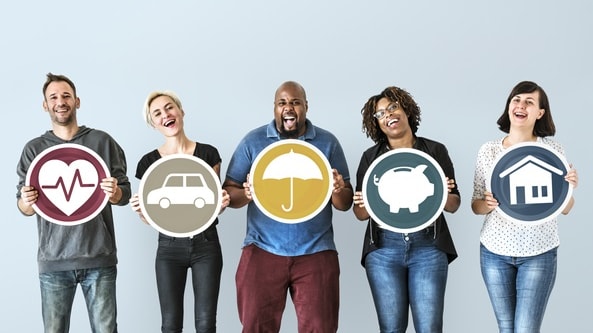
(517, 258)
(405, 267)
(201, 253)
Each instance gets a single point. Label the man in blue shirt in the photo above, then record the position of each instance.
(279, 257)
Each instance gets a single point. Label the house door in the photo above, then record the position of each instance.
(520, 192)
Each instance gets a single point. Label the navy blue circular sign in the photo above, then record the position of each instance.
(528, 182)
(404, 190)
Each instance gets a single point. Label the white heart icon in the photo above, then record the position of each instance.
(68, 187)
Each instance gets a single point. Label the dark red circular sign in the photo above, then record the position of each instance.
(68, 177)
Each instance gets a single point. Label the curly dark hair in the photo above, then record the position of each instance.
(370, 125)
(545, 125)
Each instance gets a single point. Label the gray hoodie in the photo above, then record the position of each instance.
(90, 244)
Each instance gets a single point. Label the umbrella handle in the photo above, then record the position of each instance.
(291, 196)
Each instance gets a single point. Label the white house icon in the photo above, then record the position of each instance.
(530, 181)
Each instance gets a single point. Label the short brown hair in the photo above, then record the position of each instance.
(543, 126)
(57, 78)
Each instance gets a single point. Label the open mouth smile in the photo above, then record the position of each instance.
(392, 121)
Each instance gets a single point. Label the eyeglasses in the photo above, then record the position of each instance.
(380, 114)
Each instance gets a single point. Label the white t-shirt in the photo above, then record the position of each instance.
(500, 235)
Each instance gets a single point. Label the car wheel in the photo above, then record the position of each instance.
(164, 203)
(199, 203)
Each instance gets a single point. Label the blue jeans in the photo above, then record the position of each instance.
(98, 288)
(408, 271)
(519, 288)
(175, 256)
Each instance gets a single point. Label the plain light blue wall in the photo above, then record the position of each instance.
(458, 58)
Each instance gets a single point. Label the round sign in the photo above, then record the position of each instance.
(180, 195)
(291, 181)
(404, 190)
(528, 181)
(67, 177)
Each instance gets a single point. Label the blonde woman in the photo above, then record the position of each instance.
(200, 253)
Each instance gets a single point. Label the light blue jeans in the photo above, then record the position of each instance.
(98, 287)
(408, 271)
(519, 288)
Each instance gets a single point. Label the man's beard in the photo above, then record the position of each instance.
(64, 121)
(291, 134)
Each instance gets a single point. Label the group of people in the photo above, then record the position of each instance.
(404, 270)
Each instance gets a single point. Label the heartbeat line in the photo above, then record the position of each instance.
(68, 193)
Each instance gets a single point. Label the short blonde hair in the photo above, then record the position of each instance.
(151, 97)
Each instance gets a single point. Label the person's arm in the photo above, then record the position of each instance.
(452, 204)
(28, 197)
(112, 190)
(568, 207)
(117, 187)
(225, 195)
(359, 208)
(483, 201)
(484, 206)
(240, 195)
(342, 193)
(573, 178)
(135, 204)
(453, 200)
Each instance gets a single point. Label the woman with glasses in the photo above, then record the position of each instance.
(404, 270)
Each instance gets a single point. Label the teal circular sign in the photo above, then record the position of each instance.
(404, 190)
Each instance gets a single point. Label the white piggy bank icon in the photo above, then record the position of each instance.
(404, 187)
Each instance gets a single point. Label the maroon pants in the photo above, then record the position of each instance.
(263, 280)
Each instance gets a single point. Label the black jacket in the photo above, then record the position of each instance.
(438, 151)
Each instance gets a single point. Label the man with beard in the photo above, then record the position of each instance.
(84, 253)
(279, 257)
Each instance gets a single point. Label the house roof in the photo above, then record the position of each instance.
(530, 159)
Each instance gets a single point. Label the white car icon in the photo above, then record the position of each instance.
(182, 189)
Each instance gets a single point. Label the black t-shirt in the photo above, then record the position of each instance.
(439, 152)
(205, 152)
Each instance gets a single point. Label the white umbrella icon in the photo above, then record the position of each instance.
(292, 165)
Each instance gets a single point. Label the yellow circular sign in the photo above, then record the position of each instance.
(291, 181)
